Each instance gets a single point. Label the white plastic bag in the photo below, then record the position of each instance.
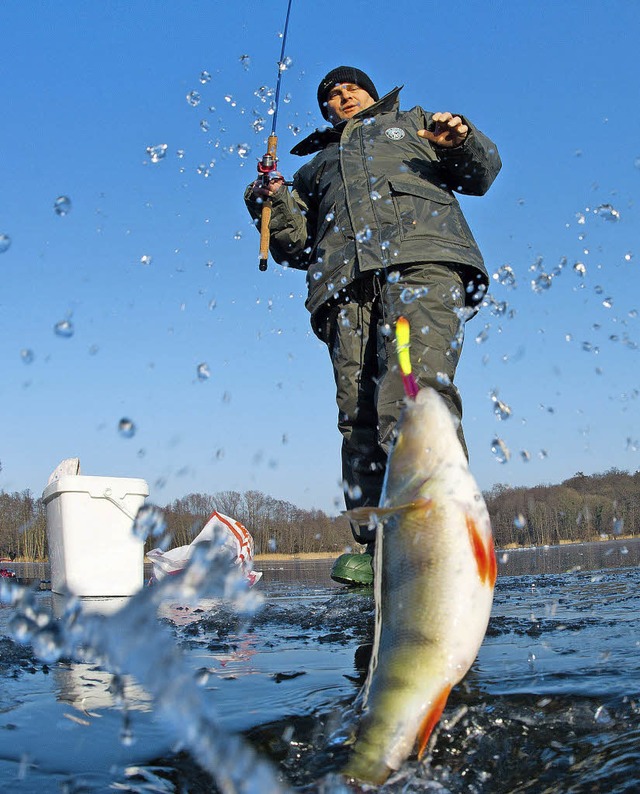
(237, 539)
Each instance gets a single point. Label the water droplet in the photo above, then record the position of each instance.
(126, 428)
(158, 152)
(483, 335)
(5, 243)
(580, 268)
(245, 60)
(363, 235)
(375, 195)
(194, 98)
(294, 129)
(237, 236)
(272, 544)
(205, 77)
(505, 276)
(393, 277)
(525, 455)
(353, 491)
(286, 99)
(607, 212)
(519, 522)
(500, 450)
(264, 93)
(628, 256)
(27, 356)
(602, 716)
(285, 64)
(62, 206)
(64, 329)
(204, 125)
(145, 259)
(408, 295)
(443, 379)
(203, 371)
(258, 124)
(149, 523)
(500, 409)
(541, 283)
(607, 303)
(242, 150)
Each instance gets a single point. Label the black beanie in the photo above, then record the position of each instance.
(344, 74)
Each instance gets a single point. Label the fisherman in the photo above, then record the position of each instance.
(374, 221)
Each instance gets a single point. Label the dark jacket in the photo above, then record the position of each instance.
(378, 196)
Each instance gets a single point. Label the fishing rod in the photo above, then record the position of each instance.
(269, 162)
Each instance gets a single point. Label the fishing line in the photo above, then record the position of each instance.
(281, 69)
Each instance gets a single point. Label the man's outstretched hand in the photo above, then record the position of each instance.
(449, 130)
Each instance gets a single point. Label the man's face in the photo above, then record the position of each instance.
(345, 100)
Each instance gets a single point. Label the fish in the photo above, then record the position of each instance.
(434, 576)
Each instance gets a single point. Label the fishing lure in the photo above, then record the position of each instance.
(403, 343)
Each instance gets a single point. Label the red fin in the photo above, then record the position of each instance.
(484, 554)
(431, 720)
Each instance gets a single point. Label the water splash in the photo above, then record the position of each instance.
(203, 372)
(500, 450)
(607, 212)
(126, 428)
(364, 235)
(505, 276)
(62, 206)
(64, 329)
(501, 410)
(133, 642)
(158, 152)
(541, 283)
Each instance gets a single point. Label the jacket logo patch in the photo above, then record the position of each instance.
(395, 133)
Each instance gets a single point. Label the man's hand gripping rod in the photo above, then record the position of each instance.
(269, 162)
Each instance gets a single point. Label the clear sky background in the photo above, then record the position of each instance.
(153, 270)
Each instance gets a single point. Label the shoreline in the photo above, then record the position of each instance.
(332, 555)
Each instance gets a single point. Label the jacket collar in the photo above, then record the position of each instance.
(319, 139)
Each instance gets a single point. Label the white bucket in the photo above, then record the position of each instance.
(92, 550)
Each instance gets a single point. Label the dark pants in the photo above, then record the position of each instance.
(359, 330)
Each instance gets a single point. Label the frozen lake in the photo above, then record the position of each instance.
(551, 704)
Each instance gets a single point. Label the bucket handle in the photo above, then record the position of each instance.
(107, 495)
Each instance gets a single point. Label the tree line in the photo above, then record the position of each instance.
(584, 507)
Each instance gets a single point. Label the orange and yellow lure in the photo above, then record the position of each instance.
(409, 382)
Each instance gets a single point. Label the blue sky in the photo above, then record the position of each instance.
(154, 266)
